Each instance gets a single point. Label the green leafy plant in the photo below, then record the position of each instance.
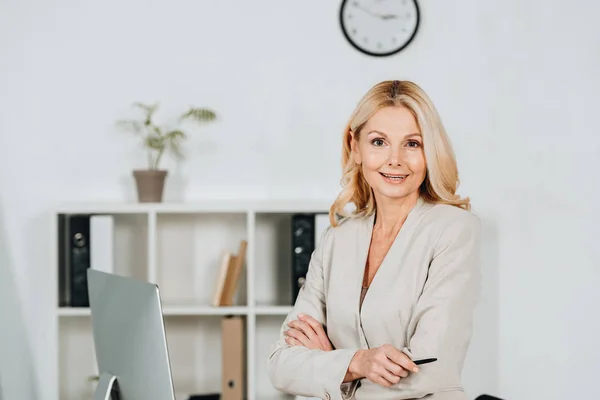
(157, 139)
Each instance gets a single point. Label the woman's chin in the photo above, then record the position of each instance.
(394, 192)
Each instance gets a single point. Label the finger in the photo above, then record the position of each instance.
(299, 336)
(395, 369)
(304, 327)
(384, 370)
(316, 326)
(392, 366)
(400, 358)
(389, 377)
(292, 342)
(380, 379)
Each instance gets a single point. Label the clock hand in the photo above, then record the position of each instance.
(371, 13)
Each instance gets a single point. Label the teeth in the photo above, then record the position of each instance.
(394, 176)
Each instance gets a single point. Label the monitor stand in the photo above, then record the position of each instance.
(108, 387)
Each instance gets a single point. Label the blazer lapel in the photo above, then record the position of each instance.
(380, 285)
(365, 233)
(397, 248)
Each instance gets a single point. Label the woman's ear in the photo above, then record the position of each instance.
(354, 148)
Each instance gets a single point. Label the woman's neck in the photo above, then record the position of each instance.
(391, 213)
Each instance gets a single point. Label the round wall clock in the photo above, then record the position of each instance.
(379, 27)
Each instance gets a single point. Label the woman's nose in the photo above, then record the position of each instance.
(394, 158)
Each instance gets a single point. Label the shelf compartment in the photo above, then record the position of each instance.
(189, 250)
(78, 359)
(130, 234)
(131, 245)
(195, 354)
(273, 259)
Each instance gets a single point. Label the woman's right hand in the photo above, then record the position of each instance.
(384, 365)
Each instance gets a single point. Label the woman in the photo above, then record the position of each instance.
(396, 279)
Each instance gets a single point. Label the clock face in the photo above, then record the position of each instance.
(379, 27)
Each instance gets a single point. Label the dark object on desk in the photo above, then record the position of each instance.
(487, 397)
(212, 396)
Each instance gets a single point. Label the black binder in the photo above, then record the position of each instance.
(303, 245)
(73, 260)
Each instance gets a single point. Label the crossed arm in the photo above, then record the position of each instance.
(384, 365)
(303, 362)
(307, 371)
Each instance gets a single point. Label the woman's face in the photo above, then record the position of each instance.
(390, 151)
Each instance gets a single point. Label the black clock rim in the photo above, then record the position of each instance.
(369, 53)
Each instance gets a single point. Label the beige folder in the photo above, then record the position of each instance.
(234, 358)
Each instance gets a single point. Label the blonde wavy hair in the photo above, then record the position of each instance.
(441, 180)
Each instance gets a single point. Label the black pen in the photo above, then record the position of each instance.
(424, 361)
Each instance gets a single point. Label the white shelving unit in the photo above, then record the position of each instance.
(178, 247)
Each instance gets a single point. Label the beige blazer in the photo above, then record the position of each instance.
(421, 300)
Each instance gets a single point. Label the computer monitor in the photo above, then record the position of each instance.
(129, 338)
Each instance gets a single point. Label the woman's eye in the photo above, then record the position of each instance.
(414, 143)
(377, 142)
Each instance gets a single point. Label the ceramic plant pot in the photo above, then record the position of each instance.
(150, 185)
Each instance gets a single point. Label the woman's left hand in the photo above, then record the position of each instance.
(308, 332)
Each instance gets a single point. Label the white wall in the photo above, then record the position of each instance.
(516, 83)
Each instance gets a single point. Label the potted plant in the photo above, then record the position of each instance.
(157, 140)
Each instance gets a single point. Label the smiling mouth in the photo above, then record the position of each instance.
(394, 177)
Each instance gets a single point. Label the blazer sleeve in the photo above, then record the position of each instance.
(306, 372)
(441, 324)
